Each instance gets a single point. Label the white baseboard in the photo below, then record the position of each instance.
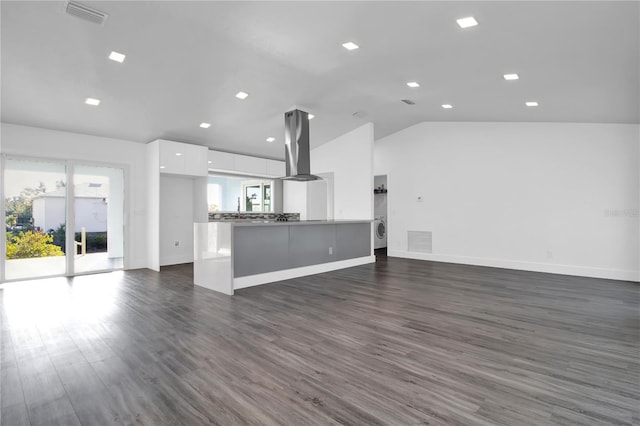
(176, 260)
(288, 274)
(581, 271)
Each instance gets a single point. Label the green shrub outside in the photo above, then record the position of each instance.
(96, 241)
(28, 244)
(34, 243)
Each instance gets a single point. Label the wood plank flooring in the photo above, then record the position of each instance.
(399, 342)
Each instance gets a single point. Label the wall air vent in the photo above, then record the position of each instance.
(87, 13)
(419, 241)
(408, 101)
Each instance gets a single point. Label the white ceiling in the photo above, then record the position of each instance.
(186, 60)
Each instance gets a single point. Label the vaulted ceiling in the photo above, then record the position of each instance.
(185, 61)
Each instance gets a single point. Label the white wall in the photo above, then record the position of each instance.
(153, 199)
(90, 213)
(36, 142)
(310, 198)
(200, 206)
(317, 200)
(176, 219)
(48, 212)
(551, 197)
(295, 198)
(350, 158)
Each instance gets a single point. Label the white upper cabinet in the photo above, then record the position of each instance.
(276, 168)
(221, 161)
(245, 164)
(185, 159)
(172, 155)
(251, 165)
(195, 162)
(182, 158)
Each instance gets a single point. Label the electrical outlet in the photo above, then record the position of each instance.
(549, 254)
(330, 250)
(176, 243)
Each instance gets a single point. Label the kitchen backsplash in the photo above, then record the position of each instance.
(288, 217)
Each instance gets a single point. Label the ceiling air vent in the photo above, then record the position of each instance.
(85, 12)
(408, 101)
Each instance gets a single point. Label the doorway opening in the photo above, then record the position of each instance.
(380, 190)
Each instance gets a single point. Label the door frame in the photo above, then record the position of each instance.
(253, 181)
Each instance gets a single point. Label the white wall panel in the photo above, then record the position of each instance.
(176, 219)
(350, 158)
(553, 197)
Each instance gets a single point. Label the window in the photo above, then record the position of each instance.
(244, 194)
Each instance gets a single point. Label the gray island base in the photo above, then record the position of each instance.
(234, 255)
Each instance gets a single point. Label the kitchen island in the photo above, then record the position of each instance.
(229, 255)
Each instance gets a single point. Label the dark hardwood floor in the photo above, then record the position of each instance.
(399, 342)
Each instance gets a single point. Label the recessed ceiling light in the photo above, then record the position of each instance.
(242, 95)
(413, 84)
(205, 125)
(511, 76)
(209, 162)
(178, 154)
(162, 167)
(92, 101)
(350, 45)
(311, 116)
(447, 106)
(467, 22)
(270, 139)
(531, 104)
(118, 57)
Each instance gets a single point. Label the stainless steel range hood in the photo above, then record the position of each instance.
(296, 146)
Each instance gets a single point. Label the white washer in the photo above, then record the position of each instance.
(380, 232)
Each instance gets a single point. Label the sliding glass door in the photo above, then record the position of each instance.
(98, 199)
(35, 217)
(62, 218)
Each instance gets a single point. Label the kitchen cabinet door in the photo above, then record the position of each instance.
(172, 157)
(251, 165)
(195, 160)
(222, 161)
(275, 168)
